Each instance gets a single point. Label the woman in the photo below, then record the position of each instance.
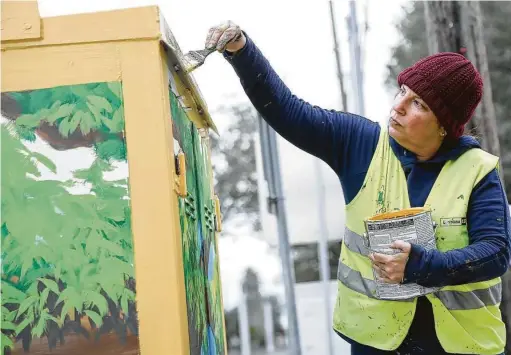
(420, 159)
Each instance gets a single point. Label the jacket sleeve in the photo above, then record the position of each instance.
(327, 134)
(488, 253)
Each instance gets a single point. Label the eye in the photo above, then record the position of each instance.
(418, 104)
(402, 91)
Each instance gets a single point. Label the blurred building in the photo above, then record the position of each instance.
(300, 180)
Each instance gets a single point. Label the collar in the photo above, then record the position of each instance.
(449, 150)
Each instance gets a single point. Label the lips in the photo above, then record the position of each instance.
(392, 119)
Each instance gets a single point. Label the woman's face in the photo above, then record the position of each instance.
(413, 125)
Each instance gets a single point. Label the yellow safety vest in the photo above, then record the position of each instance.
(467, 317)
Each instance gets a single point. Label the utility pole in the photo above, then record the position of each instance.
(243, 323)
(344, 100)
(357, 78)
(268, 326)
(486, 120)
(443, 26)
(271, 167)
(324, 260)
(443, 31)
(457, 26)
(473, 39)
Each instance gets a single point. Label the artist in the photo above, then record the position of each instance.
(419, 158)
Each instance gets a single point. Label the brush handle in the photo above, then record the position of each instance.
(206, 52)
(195, 59)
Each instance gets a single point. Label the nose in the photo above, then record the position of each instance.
(399, 104)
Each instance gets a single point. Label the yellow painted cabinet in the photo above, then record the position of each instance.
(109, 218)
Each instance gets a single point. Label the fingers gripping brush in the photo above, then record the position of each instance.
(194, 59)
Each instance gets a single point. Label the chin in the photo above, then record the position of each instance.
(397, 135)
(394, 133)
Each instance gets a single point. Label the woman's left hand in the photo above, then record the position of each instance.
(391, 268)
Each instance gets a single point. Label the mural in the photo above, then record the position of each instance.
(200, 253)
(67, 276)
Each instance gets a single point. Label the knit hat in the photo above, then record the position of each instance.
(450, 85)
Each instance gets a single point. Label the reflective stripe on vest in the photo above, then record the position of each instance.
(452, 300)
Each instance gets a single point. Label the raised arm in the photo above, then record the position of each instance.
(329, 135)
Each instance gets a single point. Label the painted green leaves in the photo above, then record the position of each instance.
(32, 310)
(191, 234)
(88, 107)
(103, 113)
(205, 312)
(67, 249)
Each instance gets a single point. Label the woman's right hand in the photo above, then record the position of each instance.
(226, 36)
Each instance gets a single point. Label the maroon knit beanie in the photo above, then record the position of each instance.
(450, 85)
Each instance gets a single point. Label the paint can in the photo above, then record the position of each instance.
(413, 225)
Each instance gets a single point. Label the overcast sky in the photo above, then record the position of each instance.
(295, 35)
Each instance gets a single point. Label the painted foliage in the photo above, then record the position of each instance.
(212, 271)
(200, 254)
(68, 281)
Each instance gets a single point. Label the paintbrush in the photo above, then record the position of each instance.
(194, 59)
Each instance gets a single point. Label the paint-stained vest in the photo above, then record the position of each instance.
(467, 317)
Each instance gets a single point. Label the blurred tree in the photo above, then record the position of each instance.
(234, 165)
(414, 45)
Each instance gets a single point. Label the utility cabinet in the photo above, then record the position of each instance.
(109, 218)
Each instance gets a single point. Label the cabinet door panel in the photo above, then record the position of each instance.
(211, 258)
(68, 280)
(191, 233)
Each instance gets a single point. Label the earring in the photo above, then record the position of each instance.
(443, 133)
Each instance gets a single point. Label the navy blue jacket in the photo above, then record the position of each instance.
(347, 142)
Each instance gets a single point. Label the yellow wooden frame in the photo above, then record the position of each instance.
(132, 46)
(20, 21)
